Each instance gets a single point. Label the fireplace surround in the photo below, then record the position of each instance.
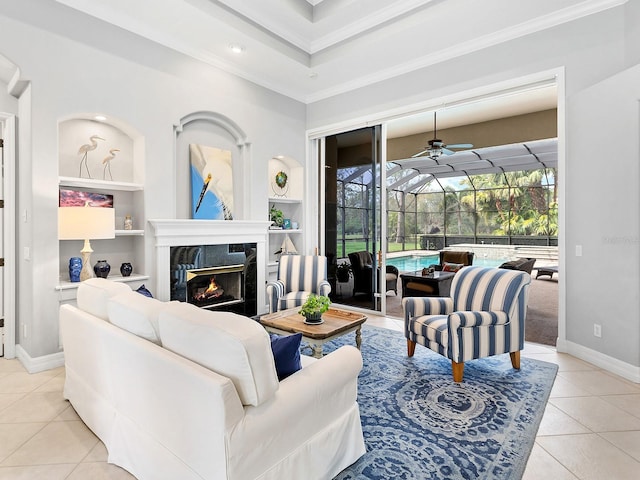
(183, 232)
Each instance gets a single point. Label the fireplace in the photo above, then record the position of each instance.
(215, 287)
(221, 277)
(210, 239)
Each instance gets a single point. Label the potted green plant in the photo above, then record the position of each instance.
(343, 272)
(276, 216)
(313, 308)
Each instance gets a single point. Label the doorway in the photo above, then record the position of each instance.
(353, 217)
(7, 235)
(486, 105)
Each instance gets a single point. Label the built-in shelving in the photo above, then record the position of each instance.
(92, 183)
(284, 230)
(66, 285)
(129, 233)
(124, 148)
(291, 203)
(284, 200)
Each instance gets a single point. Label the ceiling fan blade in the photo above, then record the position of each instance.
(446, 151)
(419, 154)
(461, 145)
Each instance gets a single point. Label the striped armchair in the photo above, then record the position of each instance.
(484, 316)
(298, 276)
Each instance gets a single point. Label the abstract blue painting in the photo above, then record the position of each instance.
(211, 183)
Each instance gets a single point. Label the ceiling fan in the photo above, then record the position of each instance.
(437, 147)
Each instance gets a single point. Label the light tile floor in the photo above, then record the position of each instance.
(590, 430)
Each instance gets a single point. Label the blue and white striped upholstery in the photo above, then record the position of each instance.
(298, 277)
(484, 316)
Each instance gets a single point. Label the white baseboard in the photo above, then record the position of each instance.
(610, 364)
(39, 364)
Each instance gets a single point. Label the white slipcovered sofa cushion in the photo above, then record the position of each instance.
(95, 293)
(229, 344)
(136, 314)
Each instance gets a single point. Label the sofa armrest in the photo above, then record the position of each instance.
(306, 403)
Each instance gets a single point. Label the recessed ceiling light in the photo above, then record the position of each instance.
(236, 48)
(100, 118)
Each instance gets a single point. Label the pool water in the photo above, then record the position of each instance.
(411, 263)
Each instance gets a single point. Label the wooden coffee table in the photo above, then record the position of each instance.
(336, 323)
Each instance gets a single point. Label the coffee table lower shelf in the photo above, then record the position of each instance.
(336, 323)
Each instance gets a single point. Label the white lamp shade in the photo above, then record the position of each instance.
(86, 223)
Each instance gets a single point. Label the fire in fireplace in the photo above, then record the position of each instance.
(215, 287)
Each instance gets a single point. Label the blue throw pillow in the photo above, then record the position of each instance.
(286, 353)
(144, 291)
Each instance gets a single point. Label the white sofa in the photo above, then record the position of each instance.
(136, 373)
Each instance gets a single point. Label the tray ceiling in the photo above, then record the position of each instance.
(313, 49)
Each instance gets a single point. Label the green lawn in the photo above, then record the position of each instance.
(359, 245)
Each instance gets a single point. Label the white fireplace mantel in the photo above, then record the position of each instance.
(183, 232)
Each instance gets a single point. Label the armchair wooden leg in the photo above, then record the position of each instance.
(458, 371)
(411, 347)
(515, 359)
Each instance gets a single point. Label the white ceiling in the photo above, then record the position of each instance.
(313, 49)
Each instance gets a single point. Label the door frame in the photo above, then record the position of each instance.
(315, 213)
(8, 127)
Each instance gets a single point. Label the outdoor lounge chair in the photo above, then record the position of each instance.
(523, 264)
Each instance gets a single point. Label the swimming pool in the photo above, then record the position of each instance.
(411, 263)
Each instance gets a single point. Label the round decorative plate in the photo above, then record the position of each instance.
(280, 184)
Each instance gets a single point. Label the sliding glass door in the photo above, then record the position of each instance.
(351, 179)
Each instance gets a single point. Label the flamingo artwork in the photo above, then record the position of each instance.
(86, 148)
(106, 161)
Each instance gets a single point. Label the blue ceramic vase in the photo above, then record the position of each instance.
(75, 267)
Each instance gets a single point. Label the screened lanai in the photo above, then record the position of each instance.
(501, 195)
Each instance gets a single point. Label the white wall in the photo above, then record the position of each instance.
(8, 104)
(133, 81)
(601, 211)
(603, 198)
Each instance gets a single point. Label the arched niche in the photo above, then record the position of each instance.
(214, 130)
(295, 181)
(76, 129)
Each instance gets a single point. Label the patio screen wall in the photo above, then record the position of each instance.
(515, 208)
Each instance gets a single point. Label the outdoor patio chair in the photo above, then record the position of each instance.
(362, 268)
(453, 257)
(483, 316)
(298, 277)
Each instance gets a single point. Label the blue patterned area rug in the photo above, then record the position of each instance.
(419, 424)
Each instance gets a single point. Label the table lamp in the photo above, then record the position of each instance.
(86, 223)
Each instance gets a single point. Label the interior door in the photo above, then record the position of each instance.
(7, 232)
(2, 319)
(353, 215)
